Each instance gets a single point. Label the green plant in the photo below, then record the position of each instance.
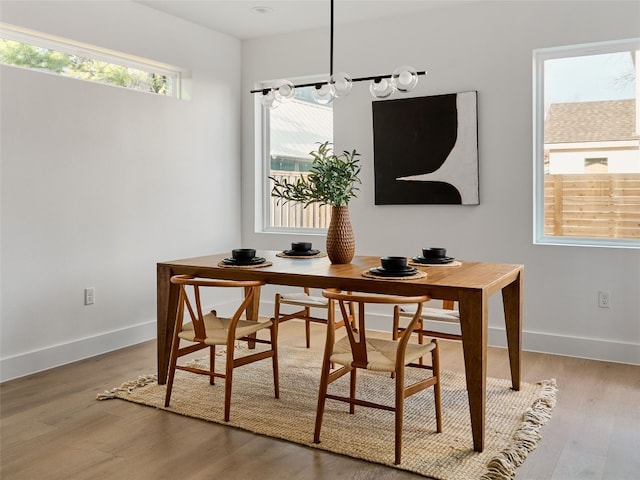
(331, 180)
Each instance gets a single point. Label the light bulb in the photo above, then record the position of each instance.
(381, 87)
(323, 93)
(342, 84)
(269, 99)
(404, 78)
(285, 91)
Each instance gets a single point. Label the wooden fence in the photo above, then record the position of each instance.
(294, 215)
(592, 205)
(577, 205)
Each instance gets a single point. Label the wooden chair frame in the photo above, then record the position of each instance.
(197, 319)
(356, 333)
(304, 314)
(420, 330)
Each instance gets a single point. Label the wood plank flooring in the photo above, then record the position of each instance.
(53, 428)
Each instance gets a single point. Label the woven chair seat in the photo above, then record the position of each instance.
(357, 350)
(381, 354)
(303, 300)
(439, 314)
(206, 331)
(216, 329)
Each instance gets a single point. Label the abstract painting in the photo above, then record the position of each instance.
(426, 150)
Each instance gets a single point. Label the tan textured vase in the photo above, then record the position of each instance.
(341, 243)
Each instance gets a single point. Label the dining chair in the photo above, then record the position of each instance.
(208, 330)
(307, 301)
(448, 314)
(357, 351)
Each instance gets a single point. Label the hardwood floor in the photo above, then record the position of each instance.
(53, 428)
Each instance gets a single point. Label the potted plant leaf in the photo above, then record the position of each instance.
(331, 180)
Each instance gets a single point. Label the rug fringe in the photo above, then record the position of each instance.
(525, 440)
(127, 387)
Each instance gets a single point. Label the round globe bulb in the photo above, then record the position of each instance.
(323, 93)
(268, 99)
(341, 83)
(285, 91)
(381, 88)
(404, 78)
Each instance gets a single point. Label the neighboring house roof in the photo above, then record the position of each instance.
(609, 120)
(297, 127)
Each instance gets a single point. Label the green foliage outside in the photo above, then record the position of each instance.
(30, 56)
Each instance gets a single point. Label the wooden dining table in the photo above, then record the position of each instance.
(471, 284)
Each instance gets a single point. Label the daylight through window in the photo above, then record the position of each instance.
(293, 130)
(587, 145)
(35, 51)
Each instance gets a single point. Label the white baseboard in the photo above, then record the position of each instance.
(589, 348)
(57, 355)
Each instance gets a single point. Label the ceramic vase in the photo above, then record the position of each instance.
(341, 243)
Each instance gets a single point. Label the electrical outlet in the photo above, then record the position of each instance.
(604, 299)
(89, 296)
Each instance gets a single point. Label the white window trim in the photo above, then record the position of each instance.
(263, 153)
(539, 57)
(53, 42)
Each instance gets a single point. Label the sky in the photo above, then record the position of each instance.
(589, 78)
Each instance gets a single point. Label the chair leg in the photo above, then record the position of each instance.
(322, 396)
(307, 329)
(274, 358)
(228, 380)
(435, 363)
(399, 411)
(212, 364)
(352, 390)
(421, 338)
(396, 324)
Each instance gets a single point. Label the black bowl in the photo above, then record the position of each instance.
(301, 246)
(434, 252)
(393, 263)
(243, 254)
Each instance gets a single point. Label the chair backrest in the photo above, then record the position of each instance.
(356, 331)
(192, 284)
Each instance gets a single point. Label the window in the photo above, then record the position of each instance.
(44, 53)
(291, 132)
(596, 165)
(587, 145)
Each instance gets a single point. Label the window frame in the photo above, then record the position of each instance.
(264, 159)
(64, 45)
(539, 57)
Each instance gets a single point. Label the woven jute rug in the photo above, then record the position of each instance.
(513, 418)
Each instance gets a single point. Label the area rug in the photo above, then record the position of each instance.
(513, 418)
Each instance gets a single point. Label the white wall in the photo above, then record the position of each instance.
(571, 158)
(100, 183)
(483, 46)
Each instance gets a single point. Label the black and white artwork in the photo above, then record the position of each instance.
(426, 150)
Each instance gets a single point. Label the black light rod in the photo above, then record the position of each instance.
(313, 84)
(331, 44)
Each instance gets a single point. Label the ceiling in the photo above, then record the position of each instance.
(239, 19)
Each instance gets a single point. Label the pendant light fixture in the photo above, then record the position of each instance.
(403, 79)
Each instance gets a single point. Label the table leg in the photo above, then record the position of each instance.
(167, 306)
(512, 302)
(474, 314)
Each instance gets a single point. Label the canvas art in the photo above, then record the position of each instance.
(426, 150)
